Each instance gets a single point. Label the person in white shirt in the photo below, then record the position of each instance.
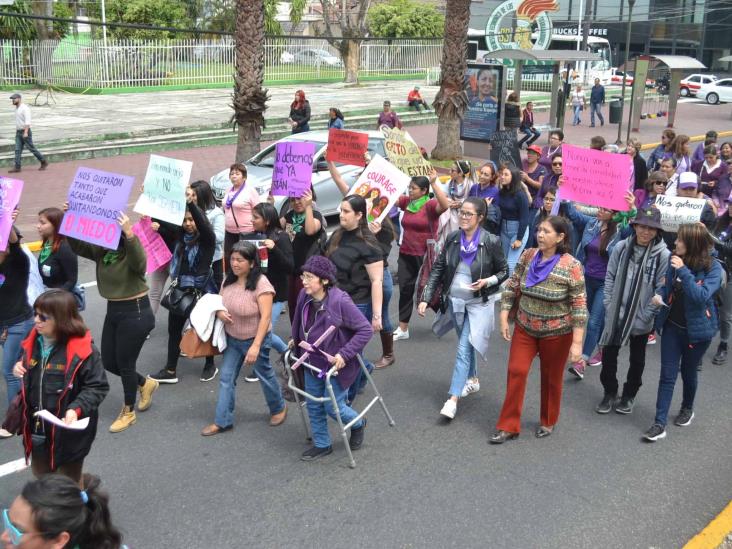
(578, 104)
(23, 134)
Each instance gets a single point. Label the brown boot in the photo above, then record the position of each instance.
(387, 347)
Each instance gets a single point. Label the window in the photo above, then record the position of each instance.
(694, 79)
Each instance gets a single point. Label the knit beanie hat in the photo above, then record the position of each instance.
(322, 267)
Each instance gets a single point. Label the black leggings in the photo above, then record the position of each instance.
(407, 271)
(126, 326)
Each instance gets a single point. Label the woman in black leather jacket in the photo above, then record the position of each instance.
(469, 269)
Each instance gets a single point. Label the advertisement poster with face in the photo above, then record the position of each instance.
(483, 87)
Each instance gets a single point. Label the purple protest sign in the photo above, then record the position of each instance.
(156, 250)
(96, 199)
(10, 190)
(293, 168)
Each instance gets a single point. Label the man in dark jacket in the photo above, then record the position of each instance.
(597, 98)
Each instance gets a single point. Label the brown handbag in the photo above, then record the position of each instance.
(13, 422)
(195, 347)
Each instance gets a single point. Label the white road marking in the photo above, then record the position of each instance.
(12, 467)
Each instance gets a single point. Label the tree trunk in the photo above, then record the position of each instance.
(249, 97)
(44, 28)
(351, 56)
(451, 101)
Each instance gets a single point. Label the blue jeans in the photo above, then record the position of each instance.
(594, 288)
(531, 135)
(388, 290)
(27, 142)
(596, 108)
(675, 350)
(360, 380)
(11, 351)
(465, 363)
(509, 228)
(277, 343)
(577, 110)
(317, 410)
(236, 350)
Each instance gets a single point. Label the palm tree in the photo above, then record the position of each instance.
(451, 101)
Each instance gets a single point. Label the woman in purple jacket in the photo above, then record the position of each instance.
(319, 306)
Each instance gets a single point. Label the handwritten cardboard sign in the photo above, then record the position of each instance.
(164, 195)
(505, 149)
(404, 153)
(347, 147)
(158, 254)
(380, 184)
(676, 211)
(596, 178)
(10, 190)
(293, 168)
(96, 198)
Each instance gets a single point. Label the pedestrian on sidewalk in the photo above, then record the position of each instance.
(527, 126)
(597, 100)
(636, 271)
(61, 372)
(129, 319)
(388, 118)
(578, 100)
(24, 134)
(416, 101)
(247, 297)
(687, 322)
(547, 291)
(469, 269)
(299, 118)
(321, 305)
(722, 237)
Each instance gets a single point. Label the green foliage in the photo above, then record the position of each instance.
(220, 15)
(16, 28)
(405, 19)
(159, 13)
(61, 28)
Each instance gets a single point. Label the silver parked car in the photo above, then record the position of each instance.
(328, 197)
(313, 56)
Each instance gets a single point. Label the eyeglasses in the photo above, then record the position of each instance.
(659, 183)
(466, 215)
(307, 277)
(556, 164)
(42, 317)
(14, 532)
(550, 199)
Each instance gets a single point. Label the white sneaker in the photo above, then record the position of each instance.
(472, 386)
(5, 434)
(399, 334)
(449, 409)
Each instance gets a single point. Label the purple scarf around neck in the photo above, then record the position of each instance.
(539, 270)
(469, 248)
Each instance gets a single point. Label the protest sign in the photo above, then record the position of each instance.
(347, 147)
(293, 168)
(380, 184)
(96, 199)
(164, 194)
(596, 178)
(404, 153)
(505, 149)
(677, 211)
(157, 251)
(10, 190)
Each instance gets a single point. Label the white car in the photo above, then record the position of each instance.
(327, 194)
(693, 83)
(719, 91)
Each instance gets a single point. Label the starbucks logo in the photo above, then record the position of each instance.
(529, 14)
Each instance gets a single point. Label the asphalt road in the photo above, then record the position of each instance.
(423, 483)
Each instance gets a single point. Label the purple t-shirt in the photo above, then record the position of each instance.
(488, 192)
(535, 175)
(389, 119)
(595, 264)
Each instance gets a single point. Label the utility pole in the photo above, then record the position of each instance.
(631, 3)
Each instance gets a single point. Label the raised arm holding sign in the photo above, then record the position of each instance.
(10, 190)
(164, 193)
(380, 184)
(596, 178)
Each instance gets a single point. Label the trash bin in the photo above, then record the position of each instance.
(616, 109)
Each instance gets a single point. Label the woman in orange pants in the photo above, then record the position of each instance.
(547, 289)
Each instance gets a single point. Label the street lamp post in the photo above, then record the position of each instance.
(631, 3)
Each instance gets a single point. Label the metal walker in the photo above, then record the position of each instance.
(290, 365)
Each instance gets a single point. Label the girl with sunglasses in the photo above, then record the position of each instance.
(655, 185)
(61, 372)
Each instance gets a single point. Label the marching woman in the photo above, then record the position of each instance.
(462, 178)
(655, 185)
(320, 306)
(247, 297)
(57, 263)
(514, 205)
(556, 139)
(190, 268)
(663, 150)
(129, 319)
(635, 272)
(713, 176)
(599, 236)
(550, 197)
(238, 206)
(723, 244)
(16, 315)
(203, 197)
(687, 322)
(640, 171)
(470, 267)
(70, 383)
(548, 291)
(280, 262)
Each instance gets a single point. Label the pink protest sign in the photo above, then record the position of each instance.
(158, 254)
(10, 190)
(96, 199)
(380, 184)
(596, 178)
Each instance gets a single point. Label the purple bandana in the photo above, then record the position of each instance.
(230, 198)
(469, 249)
(539, 270)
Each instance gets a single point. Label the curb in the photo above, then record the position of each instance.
(713, 533)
